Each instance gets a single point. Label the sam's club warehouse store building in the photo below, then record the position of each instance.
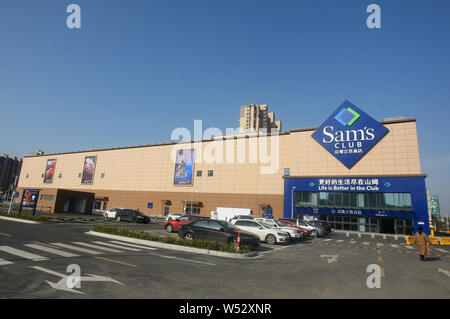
(353, 171)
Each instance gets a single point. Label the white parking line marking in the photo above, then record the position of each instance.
(116, 246)
(22, 253)
(51, 250)
(132, 245)
(83, 250)
(98, 247)
(5, 262)
(188, 260)
(441, 250)
(394, 246)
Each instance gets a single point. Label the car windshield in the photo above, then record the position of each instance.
(265, 225)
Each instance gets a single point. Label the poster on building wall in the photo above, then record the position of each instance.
(49, 171)
(88, 170)
(184, 167)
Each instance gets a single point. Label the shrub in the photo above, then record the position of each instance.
(196, 243)
(25, 216)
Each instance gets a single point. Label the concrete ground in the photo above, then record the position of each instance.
(334, 267)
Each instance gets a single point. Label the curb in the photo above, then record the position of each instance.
(174, 247)
(25, 221)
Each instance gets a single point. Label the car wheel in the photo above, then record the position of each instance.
(188, 236)
(169, 228)
(118, 219)
(271, 239)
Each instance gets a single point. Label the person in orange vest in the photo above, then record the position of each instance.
(421, 241)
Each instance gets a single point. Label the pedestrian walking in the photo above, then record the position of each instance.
(421, 241)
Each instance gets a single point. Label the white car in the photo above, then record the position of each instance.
(303, 224)
(265, 232)
(111, 213)
(173, 216)
(295, 233)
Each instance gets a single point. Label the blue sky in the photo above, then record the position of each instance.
(138, 69)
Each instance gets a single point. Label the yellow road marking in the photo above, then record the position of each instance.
(7, 235)
(115, 261)
(382, 273)
(48, 245)
(380, 259)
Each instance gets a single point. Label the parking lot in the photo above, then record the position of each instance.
(336, 266)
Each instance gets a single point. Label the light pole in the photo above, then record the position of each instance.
(292, 207)
(192, 200)
(12, 195)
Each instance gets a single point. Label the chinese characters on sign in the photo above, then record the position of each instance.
(348, 184)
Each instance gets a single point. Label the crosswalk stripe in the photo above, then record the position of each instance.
(5, 262)
(339, 241)
(409, 247)
(380, 245)
(116, 246)
(366, 243)
(394, 246)
(22, 253)
(328, 239)
(353, 242)
(132, 245)
(51, 250)
(83, 250)
(441, 250)
(98, 247)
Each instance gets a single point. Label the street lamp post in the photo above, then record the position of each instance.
(292, 207)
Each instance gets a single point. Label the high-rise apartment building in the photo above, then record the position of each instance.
(9, 169)
(255, 117)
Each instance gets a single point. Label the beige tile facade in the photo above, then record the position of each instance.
(146, 173)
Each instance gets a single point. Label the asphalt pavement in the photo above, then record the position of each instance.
(34, 262)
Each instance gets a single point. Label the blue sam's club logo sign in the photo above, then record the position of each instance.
(349, 133)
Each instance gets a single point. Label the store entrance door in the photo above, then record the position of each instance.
(387, 226)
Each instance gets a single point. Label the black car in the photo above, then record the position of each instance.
(327, 228)
(217, 230)
(129, 215)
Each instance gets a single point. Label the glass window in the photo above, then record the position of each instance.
(287, 172)
(389, 200)
(215, 225)
(210, 172)
(199, 173)
(330, 200)
(373, 200)
(359, 200)
(323, 199)
(203, 223)
(338, 199)
(252, 224)
(407, 200)
(346, 200)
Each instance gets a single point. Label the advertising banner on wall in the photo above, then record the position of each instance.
(49, 171)
(88, 170)
(184, 167)
(29, 200)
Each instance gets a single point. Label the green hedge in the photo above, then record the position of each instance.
(196, 243)
(25, 216)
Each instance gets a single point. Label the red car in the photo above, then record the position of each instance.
(298, 227)
(174, 225)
